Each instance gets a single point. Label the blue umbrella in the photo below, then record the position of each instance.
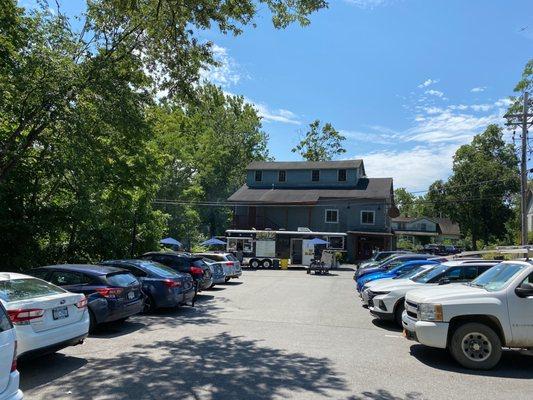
(316, 241)
(170, 241)
(213, 242)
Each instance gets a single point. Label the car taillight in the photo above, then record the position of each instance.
(24, 316)
(169, 283)
(230, 263)
(14, 362)
(82, 303)
(197, 271)
(111, 293)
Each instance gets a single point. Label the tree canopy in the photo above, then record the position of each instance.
(320, 143)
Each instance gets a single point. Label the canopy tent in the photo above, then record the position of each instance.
(318, 241)
(170, 241)
(213, 242)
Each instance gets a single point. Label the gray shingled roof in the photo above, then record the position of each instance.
(446, 225)
(374, 188)
(284, 165)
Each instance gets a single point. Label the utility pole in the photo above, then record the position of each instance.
(522, 120)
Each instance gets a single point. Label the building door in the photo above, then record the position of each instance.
(296, 251)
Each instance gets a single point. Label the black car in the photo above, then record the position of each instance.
(162, 285)
(187, 263)
(113, 294)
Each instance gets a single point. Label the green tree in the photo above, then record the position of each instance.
(208, 144)
(478, 194)
(320, 143)
(46, 64)
(405, 202)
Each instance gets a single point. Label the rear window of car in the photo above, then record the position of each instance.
(199, 263)
(231, 257)
(121, 279)
(5, 322)
(215, 257)
(26, 288)
(160, 269)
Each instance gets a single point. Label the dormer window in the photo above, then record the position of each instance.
(258, 176)
(342, 175)
(282, 176)
(315, 175)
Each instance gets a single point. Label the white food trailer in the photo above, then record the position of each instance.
(265, 248)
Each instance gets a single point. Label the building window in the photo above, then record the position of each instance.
(332, 216)
(342, 175)
(282, 176)
(336, 242)
(367, 217)
(315, 175)
(258, 176)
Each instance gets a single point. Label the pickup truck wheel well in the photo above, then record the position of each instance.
(489, 320)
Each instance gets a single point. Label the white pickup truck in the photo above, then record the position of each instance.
(475, 320)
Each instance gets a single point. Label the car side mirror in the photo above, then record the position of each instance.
(524, 290)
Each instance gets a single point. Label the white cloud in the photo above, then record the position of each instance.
(427, 83)
(373, 136)
(414, 169)
(433, 92)
(478, 89)
(482, 107)
(278, 115)
(227, 73)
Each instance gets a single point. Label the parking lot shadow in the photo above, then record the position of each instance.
(36, 372)
(387, 325)
(115, 329)
(219, 368)
(512, 365)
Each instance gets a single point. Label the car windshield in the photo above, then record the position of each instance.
(430, 274)
(497, 277)
(413, 272)
(160, 269)
(27, 288)
(121, 279)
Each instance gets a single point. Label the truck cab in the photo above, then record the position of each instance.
(475, 320)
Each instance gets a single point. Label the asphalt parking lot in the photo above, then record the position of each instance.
(273, 334)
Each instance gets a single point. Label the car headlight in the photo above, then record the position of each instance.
(379, 293)
(430, 312)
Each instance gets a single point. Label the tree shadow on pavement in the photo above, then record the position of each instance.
(57, 365)
(512, 365)
(385, 395)
(217, 368)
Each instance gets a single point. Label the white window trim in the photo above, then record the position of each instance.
(326, 216)
(373, 219)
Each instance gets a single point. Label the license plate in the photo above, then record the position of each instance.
(131, 295)
(60, 312)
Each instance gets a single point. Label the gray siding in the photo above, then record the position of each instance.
(302, 178)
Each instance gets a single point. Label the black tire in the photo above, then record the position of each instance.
(254, 263)
(308, 271)
(149, 305)
(476, 346)
(121, 320)
(266, 264)
(226, 279)
(398, 311)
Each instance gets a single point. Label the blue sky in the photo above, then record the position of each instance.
(406, 81)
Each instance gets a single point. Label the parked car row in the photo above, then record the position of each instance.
(56, 306)
(472, 307)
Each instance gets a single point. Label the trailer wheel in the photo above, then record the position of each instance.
(254, 263)
(266, 263)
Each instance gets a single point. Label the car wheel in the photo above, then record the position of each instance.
(476, 346)
(149, 304)
(254, 263)
(226, 279)
(398, 313)
(266, 264)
